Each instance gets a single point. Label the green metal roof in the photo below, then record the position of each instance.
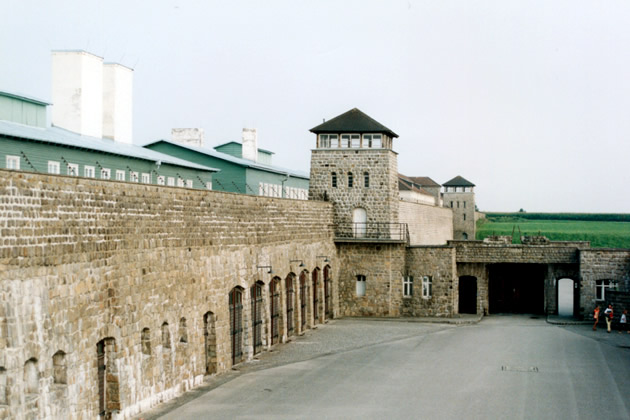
(240, 144)
(458, 181)
(59, 136)
(238, 161)
(353, 121)
(24, 98)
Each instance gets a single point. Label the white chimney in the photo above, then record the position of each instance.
(250, 144)
(118, 102)
(77, 92)
(189, 136)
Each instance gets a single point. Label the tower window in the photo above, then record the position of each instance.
(366, 179)
(350, 180)
(464, 216)
(360, 285)
(464, 204)
(334, 179)
(451, 204)
(327, 140)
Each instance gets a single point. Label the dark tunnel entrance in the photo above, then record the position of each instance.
(517, 288)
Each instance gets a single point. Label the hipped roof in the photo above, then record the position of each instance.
(353, 121)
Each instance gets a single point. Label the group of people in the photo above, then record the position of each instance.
(608, 315)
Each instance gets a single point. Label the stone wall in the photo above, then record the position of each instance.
(463, 206)
(602, 264)
(428, 225)
(383, 267)
(140, 274)
(380, 199)
(555, 252)
(438, 264)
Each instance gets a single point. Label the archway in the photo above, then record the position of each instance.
(303, 300)
(359, 222)
(565, 297)
(274, 309)
(108, 393)
(467, 295)
(290, 286)
(210, 343)
(236, 323)
(327, 293)
(315, 296)
(257, 316)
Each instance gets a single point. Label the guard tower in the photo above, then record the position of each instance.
(353, 166)
(459, 195)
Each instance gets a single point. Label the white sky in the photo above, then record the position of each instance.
(529, 100)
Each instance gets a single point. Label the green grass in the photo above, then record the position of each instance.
(560, 227)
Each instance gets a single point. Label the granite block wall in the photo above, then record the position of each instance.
(134, 279)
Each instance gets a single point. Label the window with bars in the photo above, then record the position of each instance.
(350, 180)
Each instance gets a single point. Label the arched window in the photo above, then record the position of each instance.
(59, 368)
(183, 332)
(166, 337)
(31, 377)
(350, 180)
(334, 179)
(360, 285)
(366, 179)
(145, 341)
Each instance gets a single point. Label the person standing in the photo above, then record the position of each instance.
(596, 317)
(623, 326)
(609, 317)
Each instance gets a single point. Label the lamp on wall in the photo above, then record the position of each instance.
(301, 263)
(270, 271)
(326, 258)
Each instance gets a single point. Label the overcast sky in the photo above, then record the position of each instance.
(529, 100)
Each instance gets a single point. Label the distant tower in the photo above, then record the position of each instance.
(459, 194)
(353, 166)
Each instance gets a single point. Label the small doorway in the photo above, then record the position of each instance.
(236, 324)
(210, 343)
(290, 304)
(565, 297)
(327, 294)
(315, 296)
(108, 394)
(257, 317)
(467, 295)
(303, 301)
(274, 292)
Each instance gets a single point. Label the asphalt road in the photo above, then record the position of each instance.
(515, 367)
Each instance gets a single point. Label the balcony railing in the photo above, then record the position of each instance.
(372, 232)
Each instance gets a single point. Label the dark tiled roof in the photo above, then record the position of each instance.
(353, 121)
(458, 181)
(404, 184)
(425, 181)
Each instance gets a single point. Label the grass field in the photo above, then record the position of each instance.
(586, 227)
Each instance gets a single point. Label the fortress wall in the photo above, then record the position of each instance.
(428, 225)
(382, 265)
(602, 264)
(477, 252)
(82, 260)
(438, 263)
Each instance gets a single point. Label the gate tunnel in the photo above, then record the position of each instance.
(517, 288)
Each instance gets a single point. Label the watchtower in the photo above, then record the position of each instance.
(353, 166)
(459, 195)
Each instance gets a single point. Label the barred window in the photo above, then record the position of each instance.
(360, 285)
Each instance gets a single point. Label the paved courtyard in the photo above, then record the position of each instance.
(517, 367)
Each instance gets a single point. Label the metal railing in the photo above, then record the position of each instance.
(372, 231)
